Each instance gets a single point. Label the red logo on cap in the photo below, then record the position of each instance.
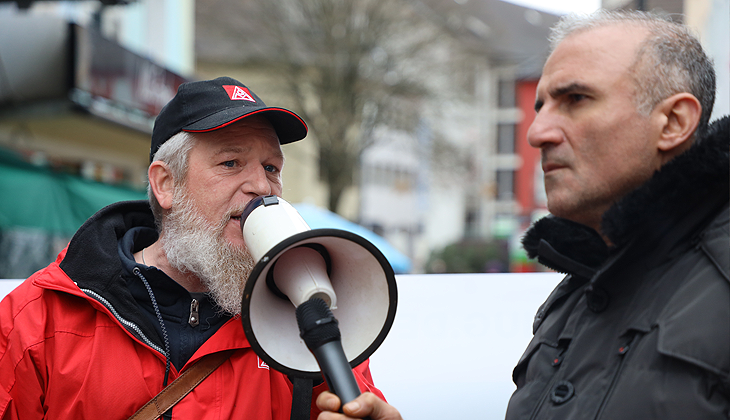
(238, 93)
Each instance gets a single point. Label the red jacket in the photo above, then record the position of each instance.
(65, 355)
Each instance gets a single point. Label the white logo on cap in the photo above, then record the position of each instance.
(237, 93)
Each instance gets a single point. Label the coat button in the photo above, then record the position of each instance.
(597, 299)
(562, 392)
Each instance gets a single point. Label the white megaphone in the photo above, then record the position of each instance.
(296, 263)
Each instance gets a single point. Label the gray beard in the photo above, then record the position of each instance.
(193, 245)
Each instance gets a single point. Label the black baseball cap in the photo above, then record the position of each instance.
(209, 105)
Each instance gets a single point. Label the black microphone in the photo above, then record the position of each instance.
(318, 328)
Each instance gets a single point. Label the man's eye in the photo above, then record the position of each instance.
(576, 97)
(229, 163)
(271, 168)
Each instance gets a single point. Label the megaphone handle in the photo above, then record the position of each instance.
(337, 371)
(318, 328)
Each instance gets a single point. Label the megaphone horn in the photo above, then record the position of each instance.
(296, 264)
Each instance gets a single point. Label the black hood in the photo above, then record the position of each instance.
(92, 259)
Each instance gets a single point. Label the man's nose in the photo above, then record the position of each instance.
(257, 182)
(545, 129)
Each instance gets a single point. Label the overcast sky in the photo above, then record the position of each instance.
(560, 6)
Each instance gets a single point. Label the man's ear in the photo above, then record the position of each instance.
(161, 183)
(680, 116)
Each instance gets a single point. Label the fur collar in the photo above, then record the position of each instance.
(702, 171)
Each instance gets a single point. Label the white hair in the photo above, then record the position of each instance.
(174, 152)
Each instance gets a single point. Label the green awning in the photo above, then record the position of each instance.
(37, 197)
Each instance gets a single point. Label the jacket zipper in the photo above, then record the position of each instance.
(548, 388)
(126, 323)
(544, 396)
(622, 353)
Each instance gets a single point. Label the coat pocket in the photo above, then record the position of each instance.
(697, 329)
(539, 362)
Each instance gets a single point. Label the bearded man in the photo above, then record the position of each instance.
(144, 291)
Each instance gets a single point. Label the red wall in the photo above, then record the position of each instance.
(525, 176)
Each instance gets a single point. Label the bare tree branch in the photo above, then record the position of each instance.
(350, 66)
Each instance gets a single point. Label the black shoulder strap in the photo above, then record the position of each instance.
(301, 404)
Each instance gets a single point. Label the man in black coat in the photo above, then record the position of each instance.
(637, 187)
(637, 184)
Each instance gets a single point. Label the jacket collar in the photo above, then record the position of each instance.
(699, 174)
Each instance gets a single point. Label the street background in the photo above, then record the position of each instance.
(418, 112)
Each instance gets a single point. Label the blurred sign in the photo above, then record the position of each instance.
(116, 84)
(455, 340)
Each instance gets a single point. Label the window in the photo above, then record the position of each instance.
(505, 184)
(506, 94)
(505, 138)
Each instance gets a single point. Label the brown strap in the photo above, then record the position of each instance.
(180, 387)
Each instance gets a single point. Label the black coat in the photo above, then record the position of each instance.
(640, 330)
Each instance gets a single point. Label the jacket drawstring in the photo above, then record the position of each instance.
(139, 274)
